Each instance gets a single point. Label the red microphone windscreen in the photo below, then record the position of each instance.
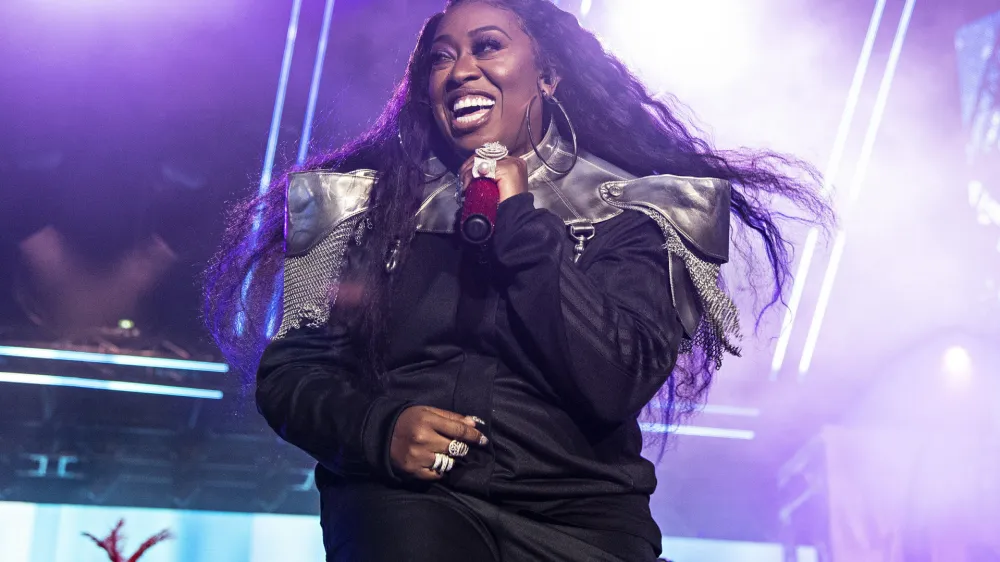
(479, 211)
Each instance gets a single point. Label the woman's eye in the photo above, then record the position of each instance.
(486, 46)
(438, 57)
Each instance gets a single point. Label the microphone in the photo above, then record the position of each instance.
(482, 195)
(479, 210)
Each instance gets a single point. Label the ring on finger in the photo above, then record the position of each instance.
(485, 162)
(457, 449)
(442, 463)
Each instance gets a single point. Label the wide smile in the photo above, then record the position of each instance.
(469, 112)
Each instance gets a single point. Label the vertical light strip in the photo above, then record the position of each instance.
(881, 102)
(798, 288)
(272, 147)
(832, 166)
(860, 173)
(307, 125)
(826, 289)
(279, 99)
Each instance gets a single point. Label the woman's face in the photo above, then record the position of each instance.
(483, 76)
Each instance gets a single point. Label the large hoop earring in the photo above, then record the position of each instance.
(572, 131)
(402, 148)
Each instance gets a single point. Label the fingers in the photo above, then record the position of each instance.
(465, 172)
(458, 429)
(468, 420)
(423, 432)
(430, 470)
(512, 177)
(454, 426)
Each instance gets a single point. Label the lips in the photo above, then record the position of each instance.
(469, 111)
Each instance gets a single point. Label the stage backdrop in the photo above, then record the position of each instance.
(54, 533)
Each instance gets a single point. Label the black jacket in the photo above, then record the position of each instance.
(558, 356)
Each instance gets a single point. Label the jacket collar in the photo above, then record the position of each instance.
(592, 192)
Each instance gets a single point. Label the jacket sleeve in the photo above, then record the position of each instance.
(308, 390)
(606, 327)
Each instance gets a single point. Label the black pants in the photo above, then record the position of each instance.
(373, 523)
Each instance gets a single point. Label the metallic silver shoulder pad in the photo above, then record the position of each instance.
(697, 208)
(323, 213)
(319, 201)
(692, 213)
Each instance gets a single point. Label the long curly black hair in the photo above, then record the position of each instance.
(637, 132)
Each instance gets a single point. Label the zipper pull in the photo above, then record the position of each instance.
(582, 232)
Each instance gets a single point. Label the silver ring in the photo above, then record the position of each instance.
(438, 462)
(485, 163)
(457, 449)
(442, 463)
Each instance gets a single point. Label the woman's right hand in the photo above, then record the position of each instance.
(422, 431)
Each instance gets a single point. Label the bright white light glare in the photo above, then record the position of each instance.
(585, 7)
(112, 359)
(669, 42)
(117, 386)
(698, 431)
(957, 365)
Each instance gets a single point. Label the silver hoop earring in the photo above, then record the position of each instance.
(402, 148)
(572, 131)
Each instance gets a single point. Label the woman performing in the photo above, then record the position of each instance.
(482, 294)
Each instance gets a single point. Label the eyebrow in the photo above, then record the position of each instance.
(476, 31)
(479, 30)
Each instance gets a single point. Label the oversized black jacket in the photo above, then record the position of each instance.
(557, 356)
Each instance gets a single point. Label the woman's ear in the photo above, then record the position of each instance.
(548, 82)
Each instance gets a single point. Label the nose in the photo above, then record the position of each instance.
(466, 69)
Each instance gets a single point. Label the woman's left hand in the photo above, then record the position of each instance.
(512, 175)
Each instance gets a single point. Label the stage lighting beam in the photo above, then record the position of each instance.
(860, 174)
(699, 431)
(832, 166)
(307, 124)
(113, 359)
(117, 386)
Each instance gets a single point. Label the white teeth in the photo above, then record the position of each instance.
(472, 117)
(472, 101)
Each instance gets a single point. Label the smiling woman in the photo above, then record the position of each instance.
(482, 401)
(483, 78)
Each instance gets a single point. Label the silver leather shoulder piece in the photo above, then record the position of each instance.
(320, 201)
(323, 212)
(325, 208)
(693, 214)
